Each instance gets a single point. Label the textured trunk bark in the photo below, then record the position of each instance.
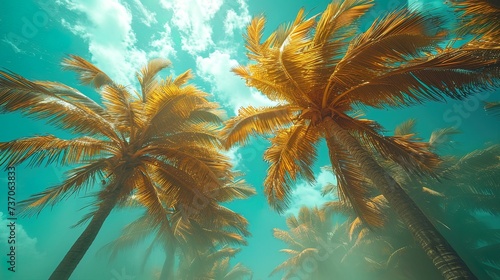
(443, 256)
(167, 272)
(82, 244)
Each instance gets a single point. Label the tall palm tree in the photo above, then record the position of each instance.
(161, 139)
(453, 205)
(185, 232)
(318, 70)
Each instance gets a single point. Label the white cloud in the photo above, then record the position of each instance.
(163, 46)
(107, 29)
(235, 21)
(310, 194)
(148, 17)
(27, 255)
(234, 156)
(192, 18)
(229, 88)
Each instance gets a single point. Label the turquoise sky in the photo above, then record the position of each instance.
(119, 36)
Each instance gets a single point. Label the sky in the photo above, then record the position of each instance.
(119, 36)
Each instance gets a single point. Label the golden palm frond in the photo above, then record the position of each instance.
(453, 73)
(251, 121)
(87, 72)
(413, 156)
(44, 101)
(236, 190)
(118, 102)
(479, 17)
(168, 108)
(291, 156)
(186, 161)
(131, 235)
(50, 149)
(441, 137)
(147, 75)
(74, 96)
(238, 271)
(394, 38)
(493, 108)
(205, 134)
(77, 179)
(296, 260)
(405, 128)
(287, 238)
(352, 185)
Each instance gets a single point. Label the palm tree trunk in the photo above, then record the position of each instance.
(167, 272)
(443, 256)
(82, 244)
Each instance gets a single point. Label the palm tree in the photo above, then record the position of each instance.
(318, 70)
(312, 245)
(160, 140)
(453, 205)
(177, 230)
(212, 263)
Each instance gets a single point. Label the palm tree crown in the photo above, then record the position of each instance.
(159, 144)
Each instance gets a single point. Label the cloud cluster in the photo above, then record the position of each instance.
(226, 86)
(106, 26)
(309, 195)
(27, 255)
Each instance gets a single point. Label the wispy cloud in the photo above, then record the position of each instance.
(28, 258)
(106, 26)
(309, 195)
(192, 18)
(226, 86)
(237, 19)
(147, 17)
(162, 44)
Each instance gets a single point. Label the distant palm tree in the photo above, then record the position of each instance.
(314, 252)
(160, 140)
(319, 70)
(181, 231)
(213, 263)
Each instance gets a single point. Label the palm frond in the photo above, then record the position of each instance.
(147, 75)
(131, 235)
(352, 185)
(87, 72)
(235, 190)
(290, 156)
(492, 108)
(407, 127)
(50, 149)
(479, 17)
(118, 102)
(238, 271)
(251, 121)
(46, 101)
(413, 156)
(396, 37)
(441, 137)
(77, 179)
(452, 73)
(74, 96)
